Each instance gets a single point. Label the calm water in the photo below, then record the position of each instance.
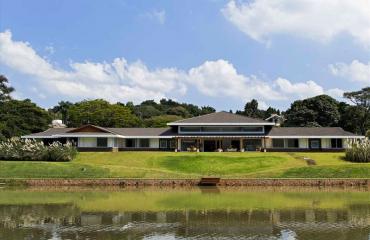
(194, 213)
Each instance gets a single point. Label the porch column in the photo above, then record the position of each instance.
(241, 149)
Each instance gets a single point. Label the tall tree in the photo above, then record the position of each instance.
(102, 113)
(22, 117)
(5, 89)
(251, 109)
(321, 111)
(61, 111)
(362, 101)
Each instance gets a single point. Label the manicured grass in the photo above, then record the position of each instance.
(190, 165)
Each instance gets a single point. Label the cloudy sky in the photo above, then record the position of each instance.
(206, 52)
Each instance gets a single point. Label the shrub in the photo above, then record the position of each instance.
(359, 151)
(16, 149)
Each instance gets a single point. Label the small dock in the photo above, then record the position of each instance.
(209, 181)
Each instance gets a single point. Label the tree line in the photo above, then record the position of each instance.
(20, 117)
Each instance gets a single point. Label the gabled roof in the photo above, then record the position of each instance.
(142, 132)
(310, 132)
(221, 118)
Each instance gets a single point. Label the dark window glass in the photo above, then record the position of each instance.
(336, 143)
(315, 143)
(163, 143)
(278, 143)
(252, 129)
(144, 143)
(212, 129)
(292, 143)
(190, 129)
(102, 142)
(130, 142)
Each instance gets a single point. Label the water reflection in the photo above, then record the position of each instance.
(257, 213)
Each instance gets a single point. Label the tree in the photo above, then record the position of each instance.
(160, 121)
(362, 101)
(5, 90)
(321, 111)
(102, 113)
(22, 117)
(61, 111)
(251, 109)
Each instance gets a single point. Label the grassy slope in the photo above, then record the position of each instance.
(189, 165)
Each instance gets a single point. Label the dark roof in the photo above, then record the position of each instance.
(221, 118)
(143, 131)
(309, 131)
(152, 132)
(51, 131)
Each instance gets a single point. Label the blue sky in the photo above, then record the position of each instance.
(208, 52)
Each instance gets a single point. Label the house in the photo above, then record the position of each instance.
(219, 131)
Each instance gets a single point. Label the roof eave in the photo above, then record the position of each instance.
(221, 124)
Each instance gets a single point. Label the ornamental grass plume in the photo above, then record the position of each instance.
(358, 151)
(16, 149)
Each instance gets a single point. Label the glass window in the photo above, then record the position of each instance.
(102, 142)
(167, 143)
(212, 129)
(190, 129)
(144, 143)
(315, 143)
(163, 143)
(278, 143)
(252, 129)
(130, 143)
(336, 143)
(292, 143)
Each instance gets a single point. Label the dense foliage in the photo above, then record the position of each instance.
(21, 117)
(102, 113)
(359, 151)
(318, 111)
(16, 149)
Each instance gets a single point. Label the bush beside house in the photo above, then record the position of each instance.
(359, 151)
(16, 149)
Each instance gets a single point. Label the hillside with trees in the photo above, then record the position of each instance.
(20, 117)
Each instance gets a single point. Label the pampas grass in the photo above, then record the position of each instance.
(16, 149)
(358, 151)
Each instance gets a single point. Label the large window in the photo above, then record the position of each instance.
(336, 143)
(292, 143)
(130, 143)
(315, 143)
(190, 129)
(166, 143)
(102, 142)
(144, 143)
(222, 129)
(278, 143)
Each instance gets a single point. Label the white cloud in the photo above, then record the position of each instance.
(355, 71)
(49, 49)
(158, 15)
(302, 90)
(315, 19)
(220, 78)
(123, 81)
(116, 81)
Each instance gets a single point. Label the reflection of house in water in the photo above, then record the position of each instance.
(68, 222)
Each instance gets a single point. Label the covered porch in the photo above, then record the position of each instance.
(220, 143)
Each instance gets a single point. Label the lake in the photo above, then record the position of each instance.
(185, 213)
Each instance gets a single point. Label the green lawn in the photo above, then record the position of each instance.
(189, 165)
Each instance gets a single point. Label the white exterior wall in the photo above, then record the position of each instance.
(303, 143)
(110, 142)
(154, 143)
(87, 142)
(268, 142)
